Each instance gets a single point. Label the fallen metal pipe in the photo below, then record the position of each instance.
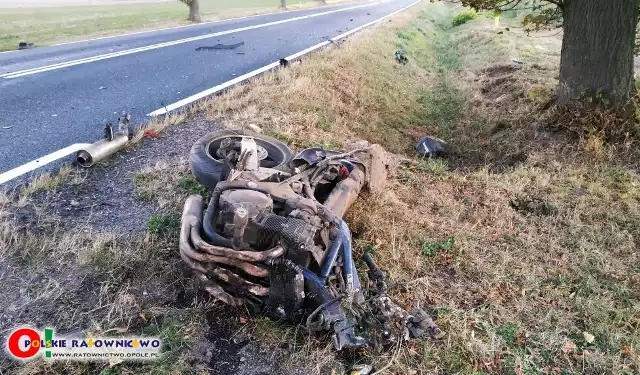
(100, 150)
(217, 291)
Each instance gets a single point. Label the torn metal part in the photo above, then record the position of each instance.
(431, 147)
(25, 45)
(275, 240)
(401, 57)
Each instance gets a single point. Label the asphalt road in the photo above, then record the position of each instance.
(43, 111)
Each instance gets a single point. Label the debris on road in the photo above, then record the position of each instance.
(273, 238)
(431, 147)
(220, 46)
(401, 57)
(7, 127)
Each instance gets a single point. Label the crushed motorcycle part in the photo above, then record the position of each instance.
(401, 57)
(208, 167)
(25, 45)
(113, 141)
(276, 241)
(431, 147)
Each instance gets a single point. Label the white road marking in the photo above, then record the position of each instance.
(213, 90)
(86, 60)
(223, 86)
(35, 164)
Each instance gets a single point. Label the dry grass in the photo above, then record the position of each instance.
(523, 242)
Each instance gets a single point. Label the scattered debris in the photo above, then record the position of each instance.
(588, 338)
(361, 370)
(151, 133)
(25, 45)
(517, 60)
(7, 127)
(102, 88)
(401, 57)
(431, 147)
(255, 128)
(220, 46)
(286, 63)
(533, 206)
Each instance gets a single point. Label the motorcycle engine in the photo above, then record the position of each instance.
(265, 228)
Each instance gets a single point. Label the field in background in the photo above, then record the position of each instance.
(50, 25)
(522, 242)
(11, 4)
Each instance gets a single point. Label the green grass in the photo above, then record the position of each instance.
(463, 18)
(163, 224)
(45, 26)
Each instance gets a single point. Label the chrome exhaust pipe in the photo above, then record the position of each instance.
(101, 150)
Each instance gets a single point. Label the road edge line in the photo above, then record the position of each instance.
(40, 162)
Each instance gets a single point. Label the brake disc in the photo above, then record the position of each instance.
(223, 151)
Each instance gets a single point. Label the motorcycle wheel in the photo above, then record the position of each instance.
(207, 166)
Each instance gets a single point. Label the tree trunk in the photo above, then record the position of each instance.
(194, 11)
(598, 52)
(283, 4)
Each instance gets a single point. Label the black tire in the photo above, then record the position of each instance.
(206, 167)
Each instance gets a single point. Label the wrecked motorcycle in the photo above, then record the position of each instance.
(273, 237)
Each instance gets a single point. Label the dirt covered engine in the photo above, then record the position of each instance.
(272, 237)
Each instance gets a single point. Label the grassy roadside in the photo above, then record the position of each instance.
(50, 25)
(522, 243)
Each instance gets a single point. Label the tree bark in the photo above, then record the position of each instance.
(598, 52)
(194, 11)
